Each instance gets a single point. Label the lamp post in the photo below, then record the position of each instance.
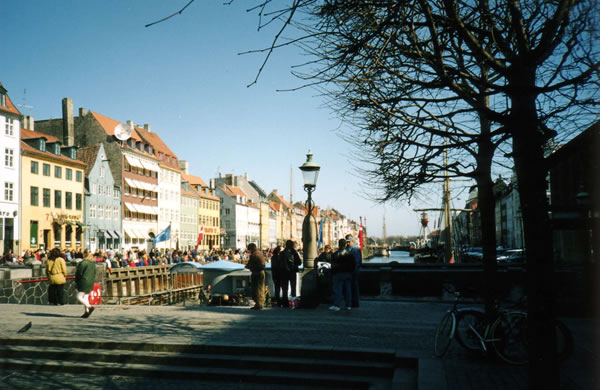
(310, 173)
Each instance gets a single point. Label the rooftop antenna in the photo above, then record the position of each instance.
(24, 104)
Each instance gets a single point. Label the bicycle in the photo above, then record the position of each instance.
(506, 333)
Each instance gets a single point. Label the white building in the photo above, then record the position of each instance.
(240, 218)
(10, 168)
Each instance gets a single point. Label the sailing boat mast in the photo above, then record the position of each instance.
(447, 217)
(384, 232)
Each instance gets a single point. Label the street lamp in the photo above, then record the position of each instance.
(308, 286)
(310, 173)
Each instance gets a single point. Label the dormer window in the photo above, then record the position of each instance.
(42, 145)
(57, 149)
(138, 145)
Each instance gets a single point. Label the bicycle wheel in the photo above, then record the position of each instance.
(470, 329)
(508, 335)
(564, 341)
(444, 334)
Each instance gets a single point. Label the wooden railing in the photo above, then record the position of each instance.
(131, 284)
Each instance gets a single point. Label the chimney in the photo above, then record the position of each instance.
(68, 122)
(183, 164)
(147, 128)
(131, 124)
(29, 123)
(81, 112)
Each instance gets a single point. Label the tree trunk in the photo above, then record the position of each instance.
(528, 142)
(486, 206)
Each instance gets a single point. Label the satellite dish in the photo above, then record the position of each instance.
(123, 131)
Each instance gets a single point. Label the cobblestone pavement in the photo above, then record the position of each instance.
(405, 326)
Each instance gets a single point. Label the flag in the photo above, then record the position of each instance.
(360, 235)
(200, 237)
(163, 236)
(320, 234)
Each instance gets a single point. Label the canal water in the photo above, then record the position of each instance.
(397, 256)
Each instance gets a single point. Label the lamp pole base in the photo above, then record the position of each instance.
(308, 289)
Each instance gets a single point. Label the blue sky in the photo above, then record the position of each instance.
(186, 79)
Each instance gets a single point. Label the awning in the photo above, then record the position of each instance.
(107, 235)
(130, 233)
(133, 161)
(133, 207)
(151, 166)
(142, 235)
(130, 182)
(116, 235)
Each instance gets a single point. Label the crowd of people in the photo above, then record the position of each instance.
(285, 261)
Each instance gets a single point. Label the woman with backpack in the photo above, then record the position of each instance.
(291, 262)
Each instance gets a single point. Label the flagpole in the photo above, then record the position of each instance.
(170, 239)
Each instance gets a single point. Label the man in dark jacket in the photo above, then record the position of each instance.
(256, 265)
(85, 276)
(342, 266)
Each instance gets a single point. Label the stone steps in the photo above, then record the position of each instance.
(322, 367)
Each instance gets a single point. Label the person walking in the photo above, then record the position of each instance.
(256, 265)
(291, 263)
(342, 267)
(85, 275)
(350, 241)
(56, 270)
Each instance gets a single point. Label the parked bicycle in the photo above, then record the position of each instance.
(505, 334)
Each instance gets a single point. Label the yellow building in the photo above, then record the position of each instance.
(209, 213)
(52, 193)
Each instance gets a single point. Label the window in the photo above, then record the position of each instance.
(9, 156)
(116, 193)
(35, 167)
(92, 211)
(34, 196)
(108, 191)
(101, 171)
(100, 211)
(57, 172)
(94, 188)
(116, 213)
(2, 100)
(78, 201)
(8, 191)
(69, 174)
(108, 212)
(68, 200)
(79, 176)
(100, 189)
(57, 199)
(46, 169)
(46, 197)
(10, 126)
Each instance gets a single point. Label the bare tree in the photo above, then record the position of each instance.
(527, 70)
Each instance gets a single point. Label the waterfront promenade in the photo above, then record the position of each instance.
(405, 326)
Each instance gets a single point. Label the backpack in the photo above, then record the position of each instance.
(287, 261)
